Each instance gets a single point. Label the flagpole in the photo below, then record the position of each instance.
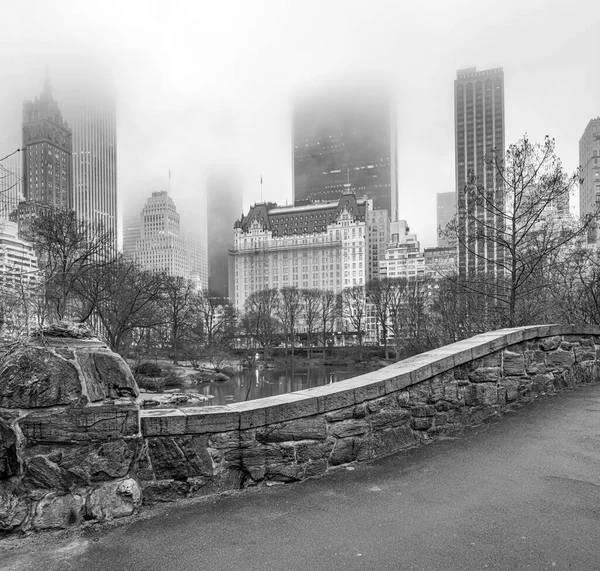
(261, 198)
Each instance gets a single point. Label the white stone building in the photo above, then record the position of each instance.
(18, 281)
(321, 245)
(162, 246)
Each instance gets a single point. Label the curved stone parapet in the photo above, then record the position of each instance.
(74, 444)
(290, 437)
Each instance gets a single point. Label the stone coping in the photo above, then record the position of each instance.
(319, 400)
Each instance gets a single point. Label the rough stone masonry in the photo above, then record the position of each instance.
(74, 444)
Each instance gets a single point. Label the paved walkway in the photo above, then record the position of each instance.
(519, 493)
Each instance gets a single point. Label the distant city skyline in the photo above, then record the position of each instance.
(237, 107)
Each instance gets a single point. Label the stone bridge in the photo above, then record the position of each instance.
(74, 444)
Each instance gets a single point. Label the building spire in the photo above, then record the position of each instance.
(47, 90)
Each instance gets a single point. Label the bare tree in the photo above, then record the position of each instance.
(379, 295)
(259, 318)
(513, 232)
(178, 293)
(354, 310)
(328, 310)
(127, 298)
(312, 302)
(289, 310)
(69, 250)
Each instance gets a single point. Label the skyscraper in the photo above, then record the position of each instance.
(446, 210)
(589, 160)
(92, 117)
(225, 203)
(47, 145)
(344, 141)
(162, 246)
(479, 128)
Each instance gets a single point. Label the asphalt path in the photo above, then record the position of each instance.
(518, 492)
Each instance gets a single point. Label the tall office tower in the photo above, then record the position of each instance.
(479, 128)
(11, 185)
(345, 141)
(589, 161)
(47, 146)
(92, 117)
(224, 204)
(446, 210)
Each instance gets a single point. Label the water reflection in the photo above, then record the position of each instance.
(255, 384)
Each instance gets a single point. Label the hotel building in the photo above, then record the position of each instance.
(321, 245)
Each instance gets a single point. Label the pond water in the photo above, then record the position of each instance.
(250, 384)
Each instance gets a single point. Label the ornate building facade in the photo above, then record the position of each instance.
(321, 245)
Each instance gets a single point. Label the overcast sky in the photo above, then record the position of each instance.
(210, 82)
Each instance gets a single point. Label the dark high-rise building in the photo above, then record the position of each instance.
(589, 160)
(47, 147)
(479, 129)
(446, 210)
(224, 206)
(344, 141)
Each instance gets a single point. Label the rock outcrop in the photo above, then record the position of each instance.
(69, 433)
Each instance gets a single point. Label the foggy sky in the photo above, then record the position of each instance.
(204, 83)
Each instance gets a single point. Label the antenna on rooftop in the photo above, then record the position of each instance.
(261, 198)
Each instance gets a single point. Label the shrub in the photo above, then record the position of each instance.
(148, 369)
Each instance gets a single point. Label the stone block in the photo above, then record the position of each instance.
(420, 393)
(308, 428)
(482, 394)
(437, 387)
(381, 403)
(180, 457)
(560, 359)
(114, 500)
(34, 377)
(347, 428)
(58, 511)
(312, 450)
(163, 422)
(485, 375)
(423, 410)
(451, 391)
(392, 440)
(62, 466)
(209, 419)
(584, 352)
(341, 414)
(423, 423)
(370, 391)
(346, 450)
(386, 418)
(513, 363)
(551, 343)
(105, 422)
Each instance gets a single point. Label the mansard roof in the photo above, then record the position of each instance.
(304, 218)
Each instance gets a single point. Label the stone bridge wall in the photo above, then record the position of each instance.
(305, 433)
(82, 449)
